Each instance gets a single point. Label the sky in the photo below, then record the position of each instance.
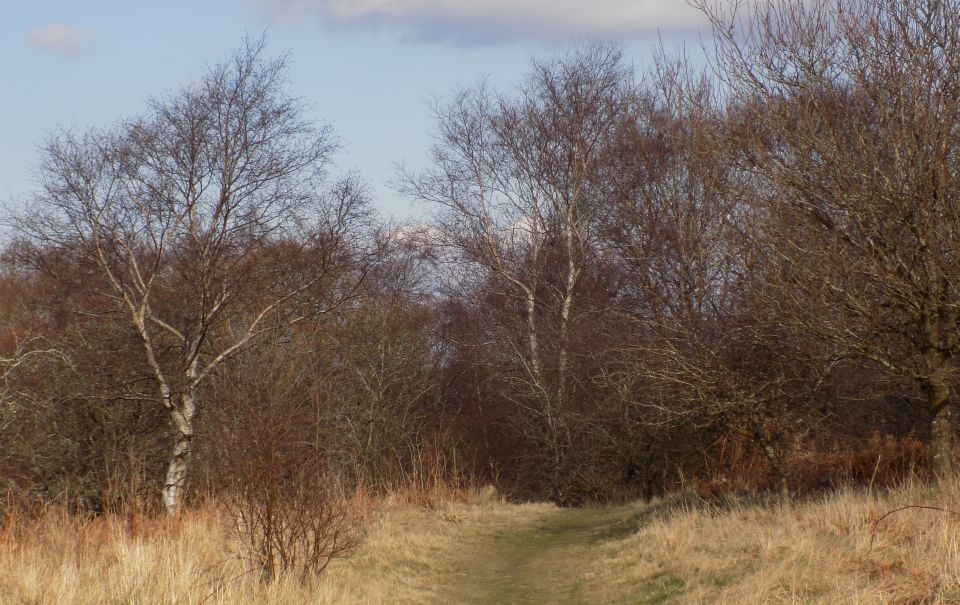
(369, 68)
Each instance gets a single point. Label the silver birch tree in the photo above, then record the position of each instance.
(205, 223)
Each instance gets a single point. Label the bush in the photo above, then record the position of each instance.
(291, 523)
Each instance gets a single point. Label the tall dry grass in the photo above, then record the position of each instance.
(61, 558)
(671, 551)
(57, 558)
(845, 547)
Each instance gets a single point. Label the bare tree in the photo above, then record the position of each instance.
(668, 225)
(848, 117)
(668, 215)
(205, 223)
(25, 354)
(516, 177)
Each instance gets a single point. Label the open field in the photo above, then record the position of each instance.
(672, 551)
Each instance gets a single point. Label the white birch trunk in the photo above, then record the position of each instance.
(182, 416)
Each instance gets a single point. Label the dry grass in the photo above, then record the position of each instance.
(814, 552)
(61, 559)
(668, 552)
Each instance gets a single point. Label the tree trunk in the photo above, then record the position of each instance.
(779, 474)
(180, 459)
(941, 429)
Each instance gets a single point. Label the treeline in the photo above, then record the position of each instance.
(738, 278)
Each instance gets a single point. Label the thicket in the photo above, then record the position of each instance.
(739, 278)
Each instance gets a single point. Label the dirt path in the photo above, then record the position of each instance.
(536, 557)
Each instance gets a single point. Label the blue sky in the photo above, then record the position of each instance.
(370, 68)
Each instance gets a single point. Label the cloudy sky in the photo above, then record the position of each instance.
(368, 67)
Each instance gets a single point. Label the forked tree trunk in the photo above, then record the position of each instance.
(173, 486)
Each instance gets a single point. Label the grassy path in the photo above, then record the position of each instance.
(536, 557)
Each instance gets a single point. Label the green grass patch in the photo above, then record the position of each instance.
(662, 588)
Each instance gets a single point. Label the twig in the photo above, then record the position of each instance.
(876, 524)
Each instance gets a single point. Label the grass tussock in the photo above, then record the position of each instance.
(483, 550)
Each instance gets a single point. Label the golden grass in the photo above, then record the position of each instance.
(62, 559)
(667, 552)
(813, 552)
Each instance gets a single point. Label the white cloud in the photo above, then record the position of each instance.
(60, 39)
(490, 20)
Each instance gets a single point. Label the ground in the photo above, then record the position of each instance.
(836, 548)
(676, 551)
(535, 558)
